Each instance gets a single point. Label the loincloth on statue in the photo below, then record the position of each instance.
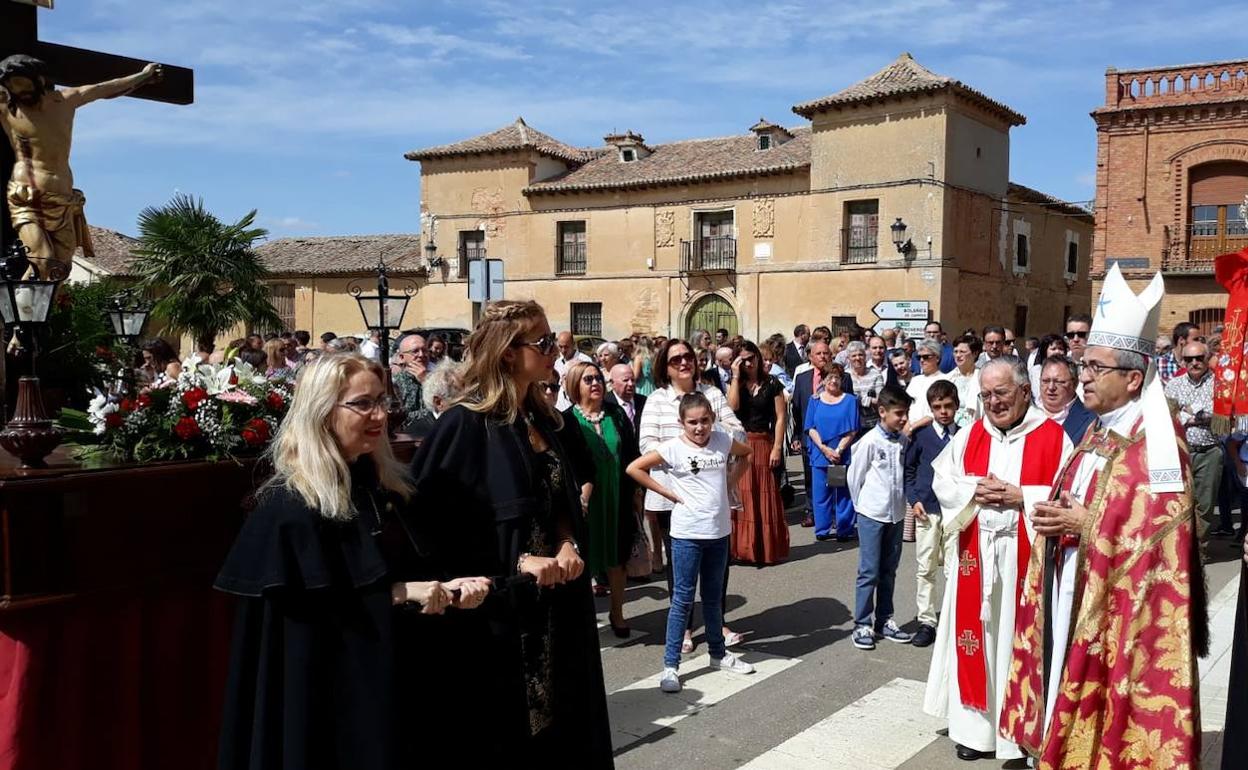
(58, 215)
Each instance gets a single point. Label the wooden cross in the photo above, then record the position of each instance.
(968, 642)
(967, 563)
(68, 66)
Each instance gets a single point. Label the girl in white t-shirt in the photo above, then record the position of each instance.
(698, 474)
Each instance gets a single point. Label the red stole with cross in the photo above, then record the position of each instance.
(1042, 456)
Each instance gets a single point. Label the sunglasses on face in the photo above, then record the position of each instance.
(544, 344)
(681, 358)
(590, 379)
(926, 356)
(1192, 359)
(1076, 335)
(550, 387)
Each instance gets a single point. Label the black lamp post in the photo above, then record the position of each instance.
(24, 304)
(900, 240)
(383, 313)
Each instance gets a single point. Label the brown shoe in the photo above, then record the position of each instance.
(809, 521)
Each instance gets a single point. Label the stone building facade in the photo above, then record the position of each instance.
(1171, 173)
(763, 230)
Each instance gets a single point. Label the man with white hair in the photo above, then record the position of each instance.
(624, 393)
(721, 372)
(440, 387)
(988, 480)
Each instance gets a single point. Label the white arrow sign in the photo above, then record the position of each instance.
(912, 328)
(916, 310)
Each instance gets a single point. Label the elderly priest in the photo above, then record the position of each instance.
(1113, 613)
(988, 479)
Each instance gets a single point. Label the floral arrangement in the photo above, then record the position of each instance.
(211, 411)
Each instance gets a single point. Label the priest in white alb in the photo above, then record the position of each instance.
(988, 481)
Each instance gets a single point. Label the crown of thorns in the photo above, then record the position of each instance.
(21, 65)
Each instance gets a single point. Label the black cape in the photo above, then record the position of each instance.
(314, 680)
(1235, 734)
(474, 503)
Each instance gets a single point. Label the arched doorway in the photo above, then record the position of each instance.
(711, 312)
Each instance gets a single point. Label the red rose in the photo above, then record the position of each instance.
(233, 378)
(143, 400)
(275, 400)
(186, 428)
(193, 397)
(126, 405)
(112, 420)
(256, 432)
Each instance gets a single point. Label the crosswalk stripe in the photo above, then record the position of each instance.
(879, 731)
(641, 709)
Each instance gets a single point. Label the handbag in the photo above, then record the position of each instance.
(838, 476)
(639, 565)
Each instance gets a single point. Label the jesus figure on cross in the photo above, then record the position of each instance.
(38, 119)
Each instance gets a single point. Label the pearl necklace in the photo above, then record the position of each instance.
(592, 420)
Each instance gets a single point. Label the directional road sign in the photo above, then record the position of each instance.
(910, 327)
(911, 310)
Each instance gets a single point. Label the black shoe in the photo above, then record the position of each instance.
(622, 632)
(969, 754)
(823, 538)
(809, 521)
(924, 636)
(1222, 532)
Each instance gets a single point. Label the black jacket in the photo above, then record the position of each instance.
(639, 404)
(803, 388)
(792, 358)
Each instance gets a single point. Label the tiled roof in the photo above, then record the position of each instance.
(112, 250)
(340, 254)
(903, 77)
(696, 160)
(1022, 194)
(766, 125)
(517, 136)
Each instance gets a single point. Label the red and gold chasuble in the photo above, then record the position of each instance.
(1128, 692)
(1042, 456)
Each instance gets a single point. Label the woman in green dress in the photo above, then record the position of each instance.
(613, 508)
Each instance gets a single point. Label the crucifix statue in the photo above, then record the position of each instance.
(41, 205)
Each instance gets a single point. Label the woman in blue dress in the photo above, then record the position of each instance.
(832, 421)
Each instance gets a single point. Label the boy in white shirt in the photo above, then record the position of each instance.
(698, 470)
(876, 485)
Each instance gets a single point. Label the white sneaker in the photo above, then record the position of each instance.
(732, 663)
(669, 681)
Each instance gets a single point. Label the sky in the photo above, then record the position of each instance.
(304, 108)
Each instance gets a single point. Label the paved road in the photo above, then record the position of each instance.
(816, 701)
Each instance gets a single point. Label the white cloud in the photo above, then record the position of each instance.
(440, 45)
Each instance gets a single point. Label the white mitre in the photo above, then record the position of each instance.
(1125, 321)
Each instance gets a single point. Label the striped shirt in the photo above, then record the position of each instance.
(660, 421)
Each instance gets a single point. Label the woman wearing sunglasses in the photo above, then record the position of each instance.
(497, 493)
(614, 507)
(676, 375)
(329, 649)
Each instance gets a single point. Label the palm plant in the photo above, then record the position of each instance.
(205, 272)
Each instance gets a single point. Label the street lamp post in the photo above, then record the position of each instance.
(127, 317)
(383, 313)
(900, 240)
(24, 304)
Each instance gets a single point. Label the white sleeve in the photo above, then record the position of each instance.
(859, 464)
(953, 488)
(648, 432)
(667, 450)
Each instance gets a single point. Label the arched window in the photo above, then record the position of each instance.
(1215, 226)
(711, 312)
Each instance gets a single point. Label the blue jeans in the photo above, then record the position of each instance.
(691, 559)
(879, 552)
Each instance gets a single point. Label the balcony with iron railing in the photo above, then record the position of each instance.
(570, 258)
(709, 255)
(859, 245)
(1198, 245)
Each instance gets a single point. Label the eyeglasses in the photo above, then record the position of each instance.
(370, 405)
(550, 387)
(1192, 359)
(989, 396)
(927, 356)
(682, 358)
(1076, 335)
(544, 344)
(590, 379)
(1057, 383)
(1098, 369)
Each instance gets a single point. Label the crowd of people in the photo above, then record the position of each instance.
(384, 606)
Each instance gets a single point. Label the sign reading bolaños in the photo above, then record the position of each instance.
(908, 310)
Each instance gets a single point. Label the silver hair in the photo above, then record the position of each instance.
(856, 347)
(1131, 360)
(442, 383)
(609, 347)
(1016, 366)
(930, 345)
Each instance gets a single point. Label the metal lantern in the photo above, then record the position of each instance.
(383, 313)
(899, 236)
(128, 315)
(26, 297)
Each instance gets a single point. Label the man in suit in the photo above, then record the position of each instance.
(795, 351)
(623, 394)
(1059, 400)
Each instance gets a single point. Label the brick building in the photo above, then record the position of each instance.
(1172, 171)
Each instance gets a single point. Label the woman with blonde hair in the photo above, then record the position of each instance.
(643, 367)
(275, 357)
(325, 665)
(497, 493)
